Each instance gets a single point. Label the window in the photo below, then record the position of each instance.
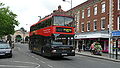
(77, 29)
(95, 10)
(95, 25)
(62, 21)
(77, 20)
(103, 22)
(119, 23)
(78, 16)
(75, 17)
(103, 7)
(118, 4)
(88, 11)
(82, 28)
(88, 26)
(82, 13)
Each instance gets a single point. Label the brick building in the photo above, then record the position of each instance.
(92, 19)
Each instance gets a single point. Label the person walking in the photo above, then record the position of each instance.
(84, 47)
(79, 48)
(92, 49)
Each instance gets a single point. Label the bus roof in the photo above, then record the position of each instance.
(50, 17)
(42, 20)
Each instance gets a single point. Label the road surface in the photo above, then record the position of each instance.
(22, 58)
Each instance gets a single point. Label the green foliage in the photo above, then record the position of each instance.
(97, 46)
(7, 21)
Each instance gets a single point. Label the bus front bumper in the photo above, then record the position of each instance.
(63, 54)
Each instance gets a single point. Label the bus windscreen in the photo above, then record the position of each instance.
(62, 21)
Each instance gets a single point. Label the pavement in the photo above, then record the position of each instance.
(104, 56)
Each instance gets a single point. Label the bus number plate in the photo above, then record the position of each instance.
(64, 50)
(64, 54)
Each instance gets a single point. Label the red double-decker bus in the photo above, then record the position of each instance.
(53, 36)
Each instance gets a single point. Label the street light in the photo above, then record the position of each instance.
(70, 3)
(39, 17)
(110, 26)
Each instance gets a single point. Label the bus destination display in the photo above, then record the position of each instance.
(66, 30)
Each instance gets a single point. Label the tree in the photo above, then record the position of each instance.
(7, 21)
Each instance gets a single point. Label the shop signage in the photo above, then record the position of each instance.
(116, 33)
(95, 35)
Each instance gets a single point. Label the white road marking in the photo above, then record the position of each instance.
(28, 63)
(42, 61)
(50, 66)
(14, 66)
(36, 58)
(32, 56)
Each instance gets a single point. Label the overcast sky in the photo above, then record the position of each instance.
(29, 10)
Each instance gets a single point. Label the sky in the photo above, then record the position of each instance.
(28, 10)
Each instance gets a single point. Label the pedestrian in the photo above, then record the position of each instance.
(92, 49)
(10, 42)
(84, 47)
(79, 48)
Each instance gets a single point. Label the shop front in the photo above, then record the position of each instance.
(116, 42)
(86, 39)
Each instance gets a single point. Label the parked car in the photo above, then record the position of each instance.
(5, 49)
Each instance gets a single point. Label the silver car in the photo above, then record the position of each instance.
(5, 50)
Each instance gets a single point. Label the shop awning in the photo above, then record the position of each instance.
(91, 35)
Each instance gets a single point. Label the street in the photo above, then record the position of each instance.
(22, 58)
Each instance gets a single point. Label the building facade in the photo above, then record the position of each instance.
(93, 19)
(18, 36)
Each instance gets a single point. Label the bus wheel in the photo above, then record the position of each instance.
(61, 56)
(31, 51)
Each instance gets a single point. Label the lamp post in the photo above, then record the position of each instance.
(70, 3)
(110, 26)
(39, 17)
(23, 36)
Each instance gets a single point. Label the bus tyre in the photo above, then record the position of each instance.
(31, 51)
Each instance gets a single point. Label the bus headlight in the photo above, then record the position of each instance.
(53, 51)
(73, 50)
